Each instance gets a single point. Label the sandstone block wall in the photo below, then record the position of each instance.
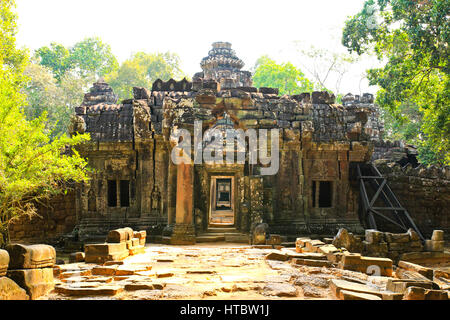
(57, 217)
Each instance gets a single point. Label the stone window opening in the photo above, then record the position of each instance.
(124, 193)
(112, 193)
(223, 194)
(322, 194)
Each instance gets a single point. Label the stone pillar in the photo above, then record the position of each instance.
(183, 230)
(171, 194)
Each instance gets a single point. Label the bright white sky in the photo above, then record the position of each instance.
(190, 27)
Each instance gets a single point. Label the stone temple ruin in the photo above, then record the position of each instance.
(347, 215)
(316, 190)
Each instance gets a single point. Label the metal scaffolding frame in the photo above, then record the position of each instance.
(373, 179)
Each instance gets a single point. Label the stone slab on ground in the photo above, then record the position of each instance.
(105, 290)
(336, 285)
(312, 263)
(104, 270)
(426, 272)
(277, 256)
(280, 290)
(306, 255)
(351, 295)
(9, 290)
(36, 282)
(30, 257)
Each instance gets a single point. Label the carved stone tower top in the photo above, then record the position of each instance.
(223, 66)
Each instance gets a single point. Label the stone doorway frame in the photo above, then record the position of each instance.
(212, 200)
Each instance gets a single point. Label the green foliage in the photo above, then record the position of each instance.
(46, 95)
(56, 58)
(93, 57)
(142, 69)
(90, 58)
(31, 167)
(412, 37)
(286, 77)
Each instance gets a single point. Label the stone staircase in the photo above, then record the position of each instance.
(221, 234)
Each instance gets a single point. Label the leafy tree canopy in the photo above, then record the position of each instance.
(142, 69)
(412, 38)
(286, 77)
(88, 58)
(32, 167)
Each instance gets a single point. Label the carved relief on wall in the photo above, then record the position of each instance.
(92, 200)
(156, 201)
(321, 169)
(286, 199)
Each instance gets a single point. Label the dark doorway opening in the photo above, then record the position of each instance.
(124, 193)
(112, 193)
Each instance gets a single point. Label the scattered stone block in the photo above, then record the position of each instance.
(136, 250)
(436, 295)
(337, 285)
(301, 243)
(426, 272)
(400, 286)
(392, 296)
(36, 282)
(438, 235)
(374, 236)
(328, 240)
(434, 246)
(76, 257)
(312, 263)
(164, 274)
(104, 270)
(100, 253)
(344, 239)
(143, 237)
(277, 256)
(30, 257)
(397, 237)
(94, 290)
(4, 262)
(119, 235)
(351, 295)
(409, 275)
(413, 235)
(143, 286)
(414, 293)
(368, 265)
(327, 249)
(9, 290)
(313, 245)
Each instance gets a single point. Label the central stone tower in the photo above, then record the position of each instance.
(223, 66)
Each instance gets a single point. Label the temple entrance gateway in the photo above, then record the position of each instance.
(222, 201)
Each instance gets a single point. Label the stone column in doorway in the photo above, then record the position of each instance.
(183, 230)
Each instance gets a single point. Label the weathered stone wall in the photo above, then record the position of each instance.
(57, 217)
(424, 192)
